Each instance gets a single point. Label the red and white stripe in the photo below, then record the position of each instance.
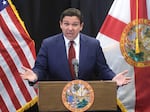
(133, 97)
(16, 49)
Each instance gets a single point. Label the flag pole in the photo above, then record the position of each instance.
(137, 49)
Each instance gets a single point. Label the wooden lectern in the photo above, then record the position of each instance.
(50, 96)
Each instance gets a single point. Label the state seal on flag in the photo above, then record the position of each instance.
(78, 96)
(135, 43)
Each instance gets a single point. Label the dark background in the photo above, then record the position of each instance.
(41, 18)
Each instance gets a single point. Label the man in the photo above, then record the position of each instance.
(52, 59)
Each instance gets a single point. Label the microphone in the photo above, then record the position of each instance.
(76, 67)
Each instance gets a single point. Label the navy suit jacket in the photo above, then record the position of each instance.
(52, 62)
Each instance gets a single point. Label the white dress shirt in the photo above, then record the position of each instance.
(76, 45)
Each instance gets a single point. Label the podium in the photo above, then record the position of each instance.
(50, 93)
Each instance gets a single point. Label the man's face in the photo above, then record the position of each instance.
(71, 26)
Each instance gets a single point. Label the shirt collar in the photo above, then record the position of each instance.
(76, 40)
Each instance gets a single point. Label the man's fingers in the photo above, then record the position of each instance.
(23, 76)
(124, 72)
(25, 68)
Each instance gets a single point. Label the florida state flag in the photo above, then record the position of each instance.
(125, 39)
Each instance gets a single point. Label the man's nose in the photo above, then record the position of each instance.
(70, 27)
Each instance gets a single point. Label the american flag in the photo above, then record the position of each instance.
(128, 21)
(16, 49)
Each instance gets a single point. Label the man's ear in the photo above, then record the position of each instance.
(60, 24)
(81, 26)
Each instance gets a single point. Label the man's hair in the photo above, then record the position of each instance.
(72, 12)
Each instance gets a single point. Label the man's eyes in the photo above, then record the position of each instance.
(67, 24)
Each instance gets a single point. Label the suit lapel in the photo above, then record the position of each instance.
(83, 52)
(61, 51)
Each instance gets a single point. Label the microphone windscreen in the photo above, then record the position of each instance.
(74, 61)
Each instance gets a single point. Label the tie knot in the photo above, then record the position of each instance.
(72, 42)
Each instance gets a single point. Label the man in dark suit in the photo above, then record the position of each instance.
(52, 59)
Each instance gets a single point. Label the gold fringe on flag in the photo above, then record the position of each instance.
(28, 105)
(121, 106)
(17, 14)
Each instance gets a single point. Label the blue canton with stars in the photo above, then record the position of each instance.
(3, 4)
